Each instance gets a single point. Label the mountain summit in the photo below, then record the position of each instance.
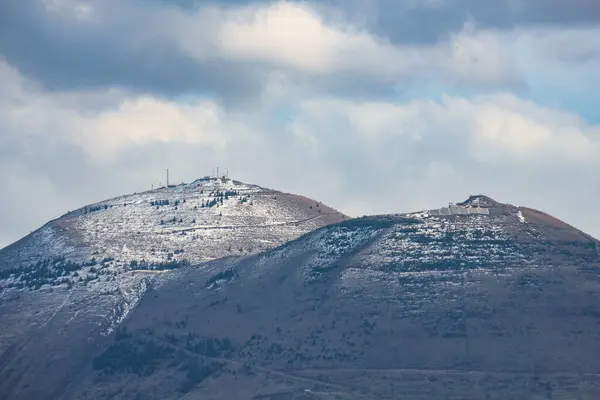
(204, 220)
(480, 201)
(70, 283)
(478, 300)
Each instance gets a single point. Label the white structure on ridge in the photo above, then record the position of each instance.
(459, 210)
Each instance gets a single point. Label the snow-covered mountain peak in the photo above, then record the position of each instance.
(160, 229)
(476, 235)
(463, 280)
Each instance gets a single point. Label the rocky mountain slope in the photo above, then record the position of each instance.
(207, 219)
(65, 287)
(503, 305)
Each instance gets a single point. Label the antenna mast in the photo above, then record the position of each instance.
(167, 178)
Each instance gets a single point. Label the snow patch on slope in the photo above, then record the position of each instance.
(130, 297)
(336, 241)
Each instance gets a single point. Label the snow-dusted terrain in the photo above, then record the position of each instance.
(486, 300)
(495, 305)
(83, 273)
(206, 219)
(159, 230)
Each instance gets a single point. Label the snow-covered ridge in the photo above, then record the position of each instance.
(436, 243)
(376, 258)
(410, 249)
(159, 230)
(105, 255)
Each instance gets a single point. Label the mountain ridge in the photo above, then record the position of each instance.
(78, 277)
(365, 308)
(465, 305)
(204, 204)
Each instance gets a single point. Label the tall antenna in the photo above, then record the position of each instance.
(167, 177)
(218, 172)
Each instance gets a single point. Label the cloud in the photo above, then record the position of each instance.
(104, 123)
(295, 35)
(569, 46)
(487, 129)
(137, 122)
(422, 153)
(228, 51)
(429, 22)
(123, 44)
(360, 156)
(369, 106)
(292, 35)
(78, 9)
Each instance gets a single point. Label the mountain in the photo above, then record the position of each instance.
(65, 287)
(479, 300)
(207, 219)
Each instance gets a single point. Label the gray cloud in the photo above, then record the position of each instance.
(412, 21)
(137, 45)
(62, 53)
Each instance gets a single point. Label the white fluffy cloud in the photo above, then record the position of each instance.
(295, 35)
(137, 122)
(489, 129)
(105, 123)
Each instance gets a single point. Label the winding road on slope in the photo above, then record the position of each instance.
(222, 227)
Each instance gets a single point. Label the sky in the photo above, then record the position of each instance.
(370, 106)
